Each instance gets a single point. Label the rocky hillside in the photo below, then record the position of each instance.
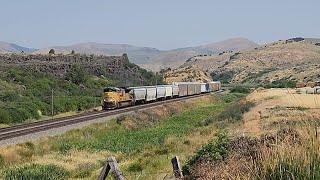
(27, 83)
(295, 59)
(151, 58)
(117, 68)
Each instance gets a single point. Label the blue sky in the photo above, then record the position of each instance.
(162, 24)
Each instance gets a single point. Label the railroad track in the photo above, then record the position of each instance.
(30, 128)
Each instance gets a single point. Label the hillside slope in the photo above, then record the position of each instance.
(27, 83)
(12, 48)
(276, 61)
(151, 58)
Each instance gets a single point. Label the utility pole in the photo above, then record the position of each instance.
(52, 103)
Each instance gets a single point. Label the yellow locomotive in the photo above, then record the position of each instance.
(114, 97)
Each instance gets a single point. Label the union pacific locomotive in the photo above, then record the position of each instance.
(116, 97)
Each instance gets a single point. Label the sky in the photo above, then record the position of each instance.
(162, 24)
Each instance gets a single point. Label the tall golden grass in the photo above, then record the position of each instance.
(292, 158)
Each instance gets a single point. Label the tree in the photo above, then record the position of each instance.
(51, 51)
(72, 52)
(77, 74)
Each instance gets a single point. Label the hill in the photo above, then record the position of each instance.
(291, 59)
(77, 81)
(151, 58)
(13, 48)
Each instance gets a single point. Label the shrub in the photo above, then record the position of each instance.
(8, 96)
(36, 172)
(240, 89)
(77, 74)
(51, 51)
(235, 112)
(216, 149)
(282, 83)
(224, 77)
(232, 97)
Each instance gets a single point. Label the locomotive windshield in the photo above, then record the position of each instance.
(111, 89)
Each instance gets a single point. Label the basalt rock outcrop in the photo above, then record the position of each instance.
(117, 67)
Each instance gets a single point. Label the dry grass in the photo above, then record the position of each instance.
(277, 107)
(294, 60)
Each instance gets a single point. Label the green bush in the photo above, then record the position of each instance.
(36, 172)
(9, 95)
(215, 150)
(282, 83)
(232, 97)
(240, 89)
(224, 77)
(235, 112)
(78, 74)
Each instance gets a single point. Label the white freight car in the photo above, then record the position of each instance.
(161, 92)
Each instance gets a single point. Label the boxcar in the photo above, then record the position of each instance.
(161, 92)
(191, 88)
(203, 88)
(215, 86)
(183, 89)
(197, 88)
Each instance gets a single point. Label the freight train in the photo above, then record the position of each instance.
(116, 97)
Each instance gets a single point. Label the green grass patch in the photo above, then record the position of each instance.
(232, 113)
(232, 97)
(114, 137)
(36, 172)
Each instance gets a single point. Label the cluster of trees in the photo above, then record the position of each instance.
(282, 83)
(223, 77)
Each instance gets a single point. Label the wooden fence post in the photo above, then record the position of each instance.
(112, 165)
(115, 169)
(105, 171)
(176, 167)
